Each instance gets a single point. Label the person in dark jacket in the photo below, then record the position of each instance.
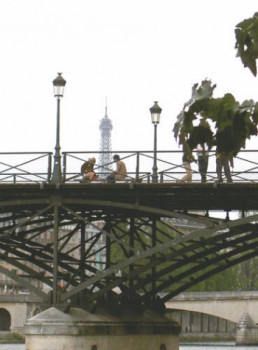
(202, 159)
(87, 170)
(222, 161)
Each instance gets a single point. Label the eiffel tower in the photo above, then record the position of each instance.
(105, 157)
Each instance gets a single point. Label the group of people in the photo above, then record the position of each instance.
(88, 173)
(222, 163)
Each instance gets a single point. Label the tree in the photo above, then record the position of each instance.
(226, 124)
(241, 277)
(226, 280)
(221, 122)
(246, 33)
(246, 275)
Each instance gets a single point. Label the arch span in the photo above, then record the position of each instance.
(140, 250)
(5, 320)
(228, 305)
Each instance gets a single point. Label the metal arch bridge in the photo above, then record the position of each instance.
(145, 238)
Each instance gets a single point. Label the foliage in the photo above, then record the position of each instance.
(220, 122)
(246, 33)
(241, 277)
(226, 124)
(223, 281)
(247, 275)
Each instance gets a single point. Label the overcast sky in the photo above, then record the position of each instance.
(132, 52)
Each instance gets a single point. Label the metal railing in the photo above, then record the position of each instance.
(169, 163)
(36, 167)
(25, 167)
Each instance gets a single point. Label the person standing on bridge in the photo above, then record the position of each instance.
(187, 165)
(202, 159)
(222, 161)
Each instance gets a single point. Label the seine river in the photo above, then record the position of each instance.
(214, 346)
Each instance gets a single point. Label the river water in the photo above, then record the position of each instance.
(216, 346)
(197, 346)
(12, 346)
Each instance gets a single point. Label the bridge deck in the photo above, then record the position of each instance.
(165, 196)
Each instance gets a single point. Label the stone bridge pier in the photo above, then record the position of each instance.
(78, 329)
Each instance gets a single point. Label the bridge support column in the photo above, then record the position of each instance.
(247, 331)
(81, 330)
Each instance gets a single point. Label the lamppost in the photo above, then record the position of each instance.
(59, 84)
(155, 111)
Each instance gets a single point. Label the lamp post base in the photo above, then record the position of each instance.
(57, 173)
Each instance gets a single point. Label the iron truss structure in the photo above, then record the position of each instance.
(147, 242)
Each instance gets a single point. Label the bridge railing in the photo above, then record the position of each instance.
(36, 167)
(25, 167)
(169, 163)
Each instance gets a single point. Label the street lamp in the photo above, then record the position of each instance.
(59, 84)
(155, 111)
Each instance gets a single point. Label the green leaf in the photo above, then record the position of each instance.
(200, 135)
(221, 122)
(255, 114)
(200, 96)
(201, 92)
(246, 34)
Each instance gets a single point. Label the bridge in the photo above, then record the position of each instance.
(16, 309)
(231, 306)
(140, 239)
(146, 237)
(225, 306)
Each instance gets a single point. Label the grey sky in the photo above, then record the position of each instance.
(132, 52)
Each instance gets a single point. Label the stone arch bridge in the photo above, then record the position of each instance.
(231, 306)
